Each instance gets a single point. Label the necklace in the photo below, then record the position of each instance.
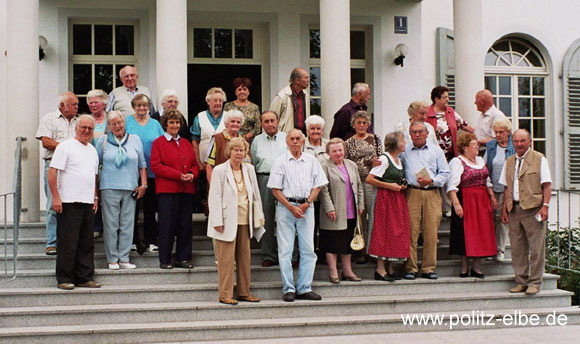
(239, 182)
(470, 160)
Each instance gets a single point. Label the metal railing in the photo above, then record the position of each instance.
(16, 194)
(563, 237)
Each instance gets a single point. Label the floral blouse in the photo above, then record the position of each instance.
(363, 152)
(443, 133)
(251, 117)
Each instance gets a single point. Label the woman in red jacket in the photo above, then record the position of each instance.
(175, 168)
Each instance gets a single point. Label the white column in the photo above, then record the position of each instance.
(334, 57)
(171, 48)
(469, 56)
(22, 102)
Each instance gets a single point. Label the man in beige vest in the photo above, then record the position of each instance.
(526, 176)
(292, 103)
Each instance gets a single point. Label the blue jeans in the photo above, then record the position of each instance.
(50, 213)
(287, 227)
(118, 219)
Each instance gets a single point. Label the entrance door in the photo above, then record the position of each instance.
(202, 77)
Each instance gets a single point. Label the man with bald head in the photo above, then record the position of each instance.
(489, 113)
(120, 98)
(295, 180)
(526, 176)
(292, 103)
(54, 128)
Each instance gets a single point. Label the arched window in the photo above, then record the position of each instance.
(515, 73)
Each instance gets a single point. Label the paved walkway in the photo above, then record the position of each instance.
(520, 335)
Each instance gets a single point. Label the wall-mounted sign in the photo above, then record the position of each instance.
(401, 24)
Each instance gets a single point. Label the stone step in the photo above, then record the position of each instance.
(267, 290)
(208, 274)
(270, 309)
(251, 328)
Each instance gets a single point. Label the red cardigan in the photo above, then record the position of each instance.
(169, 161)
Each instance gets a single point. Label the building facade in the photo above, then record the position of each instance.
(524, 51)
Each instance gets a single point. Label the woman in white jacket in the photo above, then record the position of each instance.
(233, 190)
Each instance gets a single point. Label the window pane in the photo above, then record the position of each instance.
(505, 86)
(534, 59)
(103, 40)
(357, 45)
(202, 42)
(104, 77)
(538, 86)
(315, 44)
(524, 86)
(519, 47)
(539, 107)
(539, 128)
(81, 39)
(83, 106)
(244, 44)
(490, 58)
(524, 124)
(124, 40)
(490, 84)
(223, 43)
(505, 105)
(81, 78)
(356, 75)
(315, 106)
(540, 146)
(524, 107)
(315, 81)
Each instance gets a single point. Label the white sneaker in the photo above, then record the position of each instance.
(96, 235)
(152, 248)
(113, 266)
(127, 266)
(500, 257)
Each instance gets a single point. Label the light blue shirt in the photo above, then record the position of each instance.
(431, 158)
(265, 150)
(127, 176)
(147, 133)
(296, 177)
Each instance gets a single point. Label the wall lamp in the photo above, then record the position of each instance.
(42, 45)
(400, 51)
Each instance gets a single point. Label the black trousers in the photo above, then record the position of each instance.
(74, 238)
(175, 222)
(148, 205)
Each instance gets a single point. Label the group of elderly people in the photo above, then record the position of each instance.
(391, 192)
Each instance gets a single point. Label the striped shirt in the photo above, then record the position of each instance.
(497, 165)
(296, 177)
(55, 126)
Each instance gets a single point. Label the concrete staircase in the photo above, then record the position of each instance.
(153, 305)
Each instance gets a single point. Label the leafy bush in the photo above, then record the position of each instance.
(564, 244)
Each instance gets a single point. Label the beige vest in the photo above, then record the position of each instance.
(530, 186)
(123, 99)
(207, 132)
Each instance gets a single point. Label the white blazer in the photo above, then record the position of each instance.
(223, 200)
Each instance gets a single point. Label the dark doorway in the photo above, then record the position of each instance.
(202, 77)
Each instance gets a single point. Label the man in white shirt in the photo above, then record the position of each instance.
(526, 176)
(295, 180)
(72, 181)
(489, 113)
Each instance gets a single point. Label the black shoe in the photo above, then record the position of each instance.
(268, 263)
(429, 275)
(289, 297)
(186, 264)
(394, 276)
(312, 296)
(166, 266)
(410, 276)
(476, 274)
(463, 274)
(385, 277)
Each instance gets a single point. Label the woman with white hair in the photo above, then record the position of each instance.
(97, 102)
(217, 148)
(170, 101)
(315, 144)
(497, 152)
(123, 165)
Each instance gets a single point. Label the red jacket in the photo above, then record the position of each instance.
(451, 122)
(169, 161)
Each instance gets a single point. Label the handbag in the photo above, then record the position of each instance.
(258, 214)
(358, 241)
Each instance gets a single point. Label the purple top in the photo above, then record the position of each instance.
(350, 212)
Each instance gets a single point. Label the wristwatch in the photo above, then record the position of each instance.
(546, 205)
